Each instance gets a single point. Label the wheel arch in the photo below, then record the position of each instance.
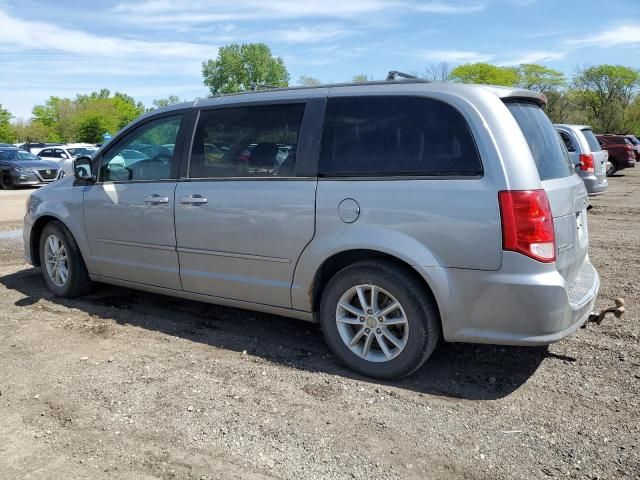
(336, 262)
(36, 233)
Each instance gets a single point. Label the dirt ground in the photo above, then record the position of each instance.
(129, 385)
(12, 207)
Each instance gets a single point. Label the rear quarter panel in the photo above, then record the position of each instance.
(451, 223)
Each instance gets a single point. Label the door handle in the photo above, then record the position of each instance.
(193, 200)
(155, 199)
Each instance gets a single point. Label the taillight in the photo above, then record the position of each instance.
(527, 224)
(586, 163)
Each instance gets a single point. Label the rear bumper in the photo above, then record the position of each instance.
(624, 163)
(593, 186)
(524, 303)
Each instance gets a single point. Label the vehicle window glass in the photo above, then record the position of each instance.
(57, 153)
(142, 156)
(567, 142)
(544, 142)
(372, 136)
(77, 151)
(247, 142)
(594, 145)
(8, 155)
(26, 155)
(45, 153)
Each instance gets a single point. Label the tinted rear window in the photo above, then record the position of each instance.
(594, 145)
(380, 136)
(546, 146)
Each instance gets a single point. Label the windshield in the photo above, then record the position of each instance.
(633, 140)
(594, 145)
(544, 141)
(81, 151)
(17, 155)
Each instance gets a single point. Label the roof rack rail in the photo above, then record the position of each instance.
(395, 75)
(254, 87)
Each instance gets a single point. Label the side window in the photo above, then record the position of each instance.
(567, 142)
(58, 153)
(246, 142)
(145, 154)
(370, 136)
(45, 153)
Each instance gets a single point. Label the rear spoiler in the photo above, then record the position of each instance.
(509, 94)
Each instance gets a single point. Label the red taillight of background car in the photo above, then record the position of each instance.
(527, 224)
(586, 163)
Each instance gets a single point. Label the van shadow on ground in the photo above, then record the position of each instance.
(457, 371)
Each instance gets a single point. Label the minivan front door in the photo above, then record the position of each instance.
(129, 210)
(243, 217)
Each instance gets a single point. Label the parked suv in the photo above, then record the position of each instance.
(404, 212)
(621, 152)
(587, 156)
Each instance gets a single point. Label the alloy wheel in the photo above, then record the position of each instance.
(372, 323)
(56, 261)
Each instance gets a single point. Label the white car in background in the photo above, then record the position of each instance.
(64, 154)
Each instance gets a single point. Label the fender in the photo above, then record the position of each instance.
(65, 202)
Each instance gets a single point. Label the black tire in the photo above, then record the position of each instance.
(421, 314)
(6, 181)
(77, 281)
(614, 168)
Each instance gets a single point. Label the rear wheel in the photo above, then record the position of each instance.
(612, 169)
(63, 268)
(6, 181)
(378, 319)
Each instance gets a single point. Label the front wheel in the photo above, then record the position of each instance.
(63, 268)
(378, 319)
(6, 181)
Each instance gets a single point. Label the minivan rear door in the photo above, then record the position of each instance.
(565, 190)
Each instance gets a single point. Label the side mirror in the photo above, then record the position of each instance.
(82, 169)
(64, 155)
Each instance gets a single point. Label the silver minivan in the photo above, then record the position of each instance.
(394, 213)
(587, 156)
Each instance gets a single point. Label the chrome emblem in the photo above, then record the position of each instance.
(48, 172)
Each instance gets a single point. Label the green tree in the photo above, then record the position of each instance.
(631, 122)
(165, 102)
(360, 78)
(66, 120)
(306, 81)
(485, 73)
(604, 92)
(540, 78)
(238, 67)
(7, 134)
(549, 82)
(30, 132)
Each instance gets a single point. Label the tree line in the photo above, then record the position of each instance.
(603, 96)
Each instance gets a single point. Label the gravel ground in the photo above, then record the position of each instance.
(129, 385)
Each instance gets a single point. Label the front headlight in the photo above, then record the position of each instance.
(23, 170)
